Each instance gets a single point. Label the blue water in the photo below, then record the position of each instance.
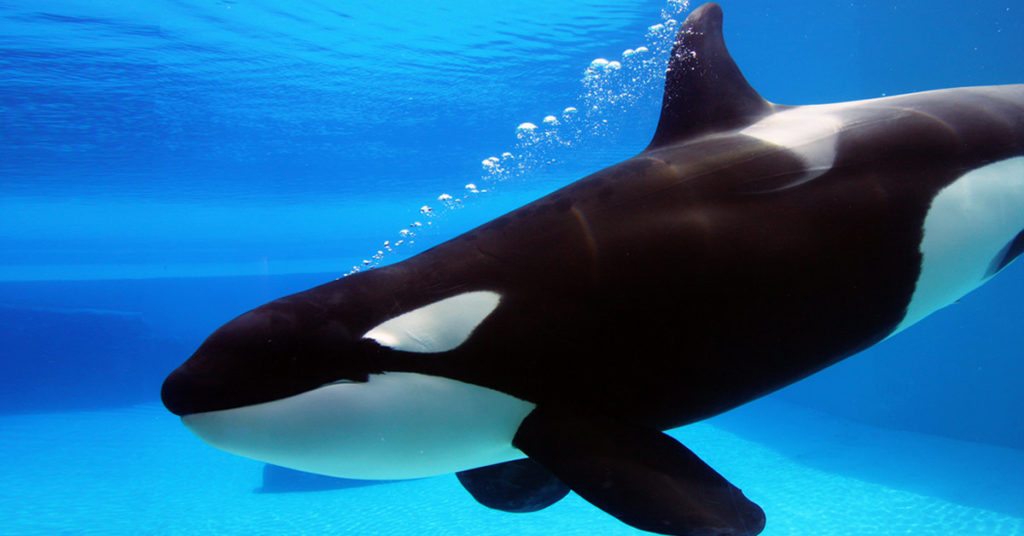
(167, 165)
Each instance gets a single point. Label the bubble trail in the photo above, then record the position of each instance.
(610, 88)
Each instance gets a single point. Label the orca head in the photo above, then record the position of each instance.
(281, 349)
(291, 384)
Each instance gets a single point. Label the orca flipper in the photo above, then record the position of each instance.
(518, 486)
(639, 475)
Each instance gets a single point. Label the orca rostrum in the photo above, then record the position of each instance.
(749, 246)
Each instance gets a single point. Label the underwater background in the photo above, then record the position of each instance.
(167, 165)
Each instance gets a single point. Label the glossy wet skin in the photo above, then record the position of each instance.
(633, 290)
(750, 245)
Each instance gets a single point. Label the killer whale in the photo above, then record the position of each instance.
(749, 245)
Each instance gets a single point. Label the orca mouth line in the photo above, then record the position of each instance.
(184, 395)
(270, 354)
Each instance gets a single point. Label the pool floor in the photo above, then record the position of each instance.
(138, 471)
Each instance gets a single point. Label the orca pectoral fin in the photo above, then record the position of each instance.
(639, 475)
(518, 486)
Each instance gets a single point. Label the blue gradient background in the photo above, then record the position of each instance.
(166, 165)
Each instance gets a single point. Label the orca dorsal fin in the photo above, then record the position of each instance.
(704, 89)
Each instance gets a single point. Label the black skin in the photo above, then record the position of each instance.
(690, 279)
(665, 289)
(709, 270)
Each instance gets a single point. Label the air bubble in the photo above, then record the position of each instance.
(679, 5)
(613, 66)
(426, 210)
(448, 201)
(598, 63)
(526, 128)
(551, 120)
(641, 50)
(527, 132)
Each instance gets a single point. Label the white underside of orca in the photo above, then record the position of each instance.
(397, 425)
(967, 227)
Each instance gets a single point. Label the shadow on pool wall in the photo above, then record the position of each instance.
(69, 359)
(79, 345)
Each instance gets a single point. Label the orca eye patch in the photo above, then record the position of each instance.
(437, 327)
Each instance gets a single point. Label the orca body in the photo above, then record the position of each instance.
(749, 246)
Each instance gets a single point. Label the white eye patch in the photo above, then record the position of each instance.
(438, 327)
